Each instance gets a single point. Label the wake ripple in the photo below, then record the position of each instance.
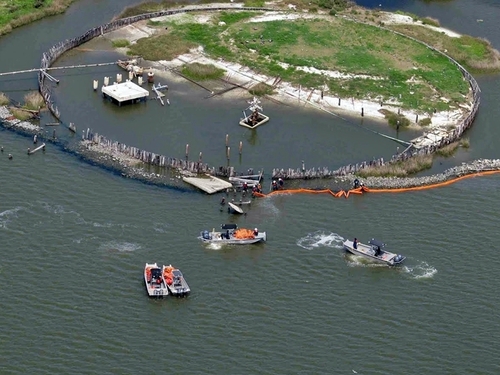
(122, 247)
(422, 270)
(321, 239)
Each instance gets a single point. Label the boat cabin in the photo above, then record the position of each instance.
(155, 273)
(377, 246)
(229, 226)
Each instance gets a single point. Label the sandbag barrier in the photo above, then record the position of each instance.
(364, 189)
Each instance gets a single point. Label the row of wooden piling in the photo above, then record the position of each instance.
(123, 151)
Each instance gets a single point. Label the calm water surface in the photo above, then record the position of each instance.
(74, 240)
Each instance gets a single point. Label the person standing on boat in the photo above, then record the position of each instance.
(280, 183)
(355, 243)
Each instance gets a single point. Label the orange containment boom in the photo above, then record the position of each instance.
(364, 189)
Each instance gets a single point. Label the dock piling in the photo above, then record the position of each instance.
(241, 147)
(187, 152)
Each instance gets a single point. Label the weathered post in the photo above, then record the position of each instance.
(228, 152)
(241, 147)
(187, 152)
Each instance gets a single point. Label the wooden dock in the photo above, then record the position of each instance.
(209, 184)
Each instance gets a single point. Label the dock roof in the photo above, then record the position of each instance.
(125, 91)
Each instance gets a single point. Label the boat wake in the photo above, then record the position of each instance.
(122, 247)
(161, 227)
(213, 246)
(420, 271)
(359, 261)
(7, 216)
(321, 239)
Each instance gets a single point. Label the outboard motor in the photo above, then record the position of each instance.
(206, 235)
(398, 258)
(356, 183)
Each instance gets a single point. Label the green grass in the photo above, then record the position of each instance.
(120, 43)
(406, 71)
(160, 47)
(475, 54)
(21, 12)
(200, 72)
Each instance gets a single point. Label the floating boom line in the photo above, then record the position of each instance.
(58, 68)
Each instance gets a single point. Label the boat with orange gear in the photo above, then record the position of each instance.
(154, 281)
(232, 235)
(175, 281)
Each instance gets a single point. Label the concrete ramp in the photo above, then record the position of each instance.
(208, 184)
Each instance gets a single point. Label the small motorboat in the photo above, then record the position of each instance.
(374, 250)
(175, 281)
(231, 234)
(153, 278)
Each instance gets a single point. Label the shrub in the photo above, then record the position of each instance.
(394, 119)
(465, 143)
(4, 100)
(448, 150)
(261, 89)
(20, 114)
(425, 121)
(34, 101)
(199, 71)
(399, 169)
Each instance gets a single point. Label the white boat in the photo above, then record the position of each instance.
(256, 117)
(176, 283)
(232, 235)
(153, 279)
(375, 251)
(233, 208)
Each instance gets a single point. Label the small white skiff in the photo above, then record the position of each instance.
(375, 251)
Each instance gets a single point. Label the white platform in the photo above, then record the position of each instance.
(124, 92)
(209, 184)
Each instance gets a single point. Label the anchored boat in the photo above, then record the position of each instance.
(374, 250)
(255, 118)
(232, 235)
(175, 281)
(153, 278)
